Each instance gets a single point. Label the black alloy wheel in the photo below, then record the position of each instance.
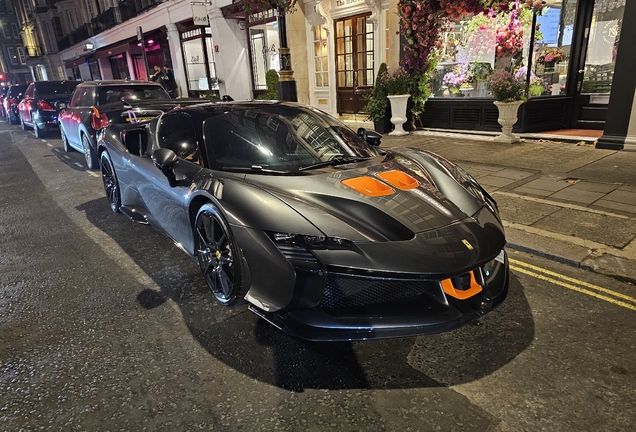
(89, 153)
(65, 144)
(218, 255)
(111, 185)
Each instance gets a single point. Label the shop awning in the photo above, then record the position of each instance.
(113, 50)
(74, 63)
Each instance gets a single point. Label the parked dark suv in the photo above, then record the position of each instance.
(95, 104)
(11, 101)
(42, 103)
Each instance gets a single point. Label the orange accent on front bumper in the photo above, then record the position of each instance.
(368, 186)
(449, 289)
(399, 179)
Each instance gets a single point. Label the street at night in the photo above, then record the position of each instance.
(107, 325)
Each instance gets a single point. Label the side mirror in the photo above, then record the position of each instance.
(165, 159)
(371, 137)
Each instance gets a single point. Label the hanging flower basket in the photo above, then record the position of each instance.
(254, 6)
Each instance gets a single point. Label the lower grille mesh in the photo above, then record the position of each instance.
(344, 292)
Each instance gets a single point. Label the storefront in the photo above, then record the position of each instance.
(572, 62)
(346, 42)
(198, 56)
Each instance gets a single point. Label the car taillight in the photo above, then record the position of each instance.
(45, 106)
(98, 120)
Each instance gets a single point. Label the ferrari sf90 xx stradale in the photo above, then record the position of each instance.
(324, 234)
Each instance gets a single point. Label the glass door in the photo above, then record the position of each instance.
(596, 67)
(354, 62)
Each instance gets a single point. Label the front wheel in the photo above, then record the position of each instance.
(89, 153)
(218, 255)
(111, 185)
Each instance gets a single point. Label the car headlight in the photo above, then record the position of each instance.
(312, 241)
(491, 266)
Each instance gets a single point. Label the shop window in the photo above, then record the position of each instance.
(473, 46)
(602, 44)
(197, 75)
(119, 67)
(321, 59)
(264, 46)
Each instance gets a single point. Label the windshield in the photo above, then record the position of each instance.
(280, 138)
(132, 93)
(17, 89)
(53, 88)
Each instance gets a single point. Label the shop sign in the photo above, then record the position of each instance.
(341, 4)
(199, 14)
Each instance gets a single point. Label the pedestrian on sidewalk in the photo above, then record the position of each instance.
(170, 83)
(156, 77)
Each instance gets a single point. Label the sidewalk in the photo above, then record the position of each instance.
(568, 202)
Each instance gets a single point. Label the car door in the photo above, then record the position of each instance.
(24, 106)
(78, 111)
(166, 203)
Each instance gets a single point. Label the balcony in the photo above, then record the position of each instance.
(64, 42)
(131, 8)
(82, 33)
(105, 21)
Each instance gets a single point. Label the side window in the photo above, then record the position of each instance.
(29, 91)
(178, 134)
(86, 97)
(75, 98)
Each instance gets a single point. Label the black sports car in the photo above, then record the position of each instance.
(326, 236)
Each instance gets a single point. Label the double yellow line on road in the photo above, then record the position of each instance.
(574, 284)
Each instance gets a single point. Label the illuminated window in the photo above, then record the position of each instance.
(321, 58)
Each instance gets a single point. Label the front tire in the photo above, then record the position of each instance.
(218, 255)
(89, 154)
(65, 144)
(111, 184)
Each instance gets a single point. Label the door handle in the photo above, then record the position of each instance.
(581, 70)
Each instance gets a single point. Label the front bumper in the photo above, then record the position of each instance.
(360, 308)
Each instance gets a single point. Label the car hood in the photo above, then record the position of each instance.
(389, 198)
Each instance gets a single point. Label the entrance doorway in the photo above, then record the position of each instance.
(354, 62)
(602, 23)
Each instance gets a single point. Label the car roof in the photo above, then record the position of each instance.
(106, 83)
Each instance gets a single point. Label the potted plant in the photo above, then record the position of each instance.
(398, 87)
(271, 80)
(377, 107)
(509, 93)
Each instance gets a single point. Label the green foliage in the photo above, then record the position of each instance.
(421, 85)
(271, 80)
(377, 102)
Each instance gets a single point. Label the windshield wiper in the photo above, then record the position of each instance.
(339, 160)
(253, 168)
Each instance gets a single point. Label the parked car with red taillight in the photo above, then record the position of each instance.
(11, 101)
(96, 104)
(42, 103)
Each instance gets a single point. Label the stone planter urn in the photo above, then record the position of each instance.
(507, 119)
(398, 113)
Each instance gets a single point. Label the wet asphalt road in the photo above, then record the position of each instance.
(106, 325)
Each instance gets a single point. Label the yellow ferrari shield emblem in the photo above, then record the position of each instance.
(467, 244)
(218, 254)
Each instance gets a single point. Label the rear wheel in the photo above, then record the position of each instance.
(89, 154)
(111, 185)
(24, 127)
(39, 133)
(218, 255)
